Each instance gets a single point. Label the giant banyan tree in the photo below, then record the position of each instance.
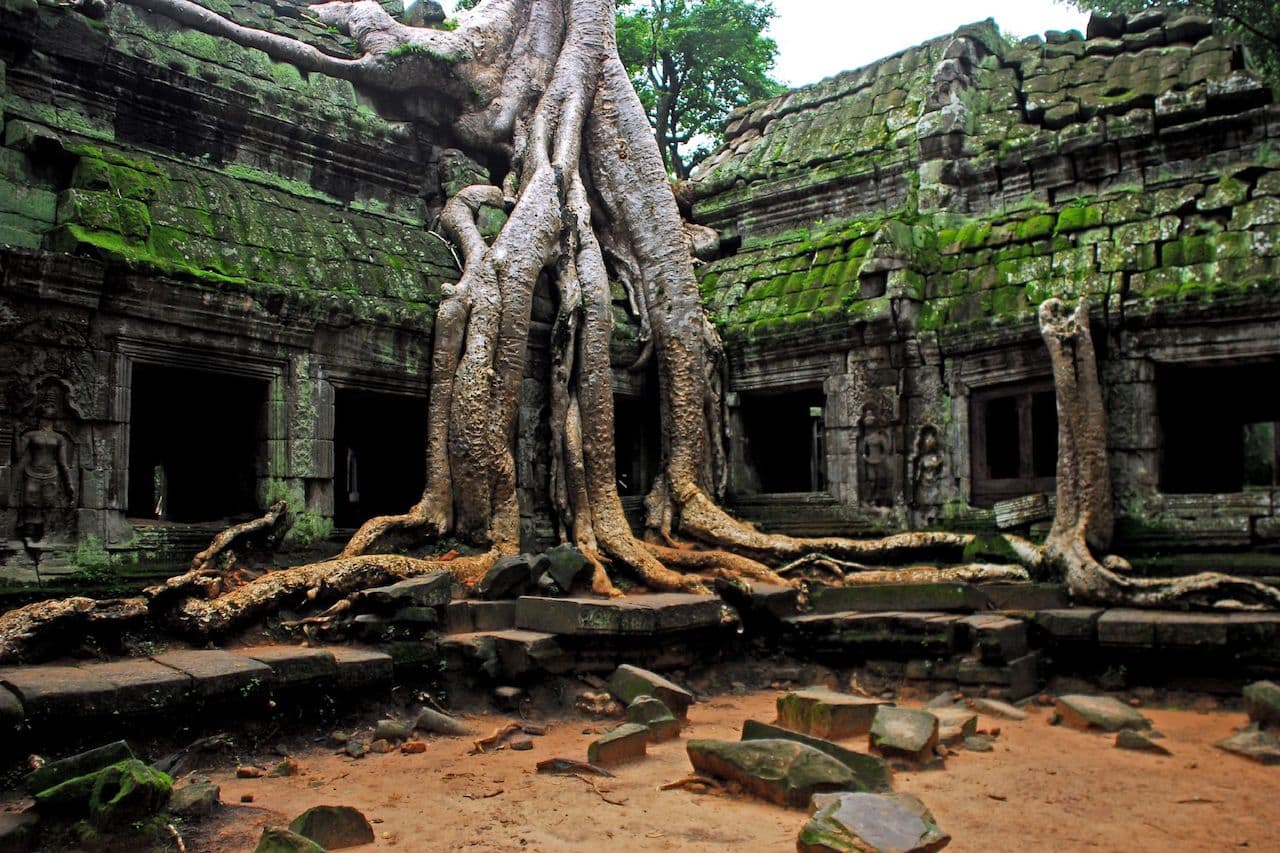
(536, 86)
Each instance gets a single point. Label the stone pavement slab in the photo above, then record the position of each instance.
(636, 615)
(49, 692)
(294, 665)
(899, 597)
(217, 673)
(358, 669)
(144, 686)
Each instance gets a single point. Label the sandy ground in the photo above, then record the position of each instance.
(1044, 787)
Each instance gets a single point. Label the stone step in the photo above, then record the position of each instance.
(865, 635)
(876, 598)
(182, 680)
(637, 615)
(467, 615)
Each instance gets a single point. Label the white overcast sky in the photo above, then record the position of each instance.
(818, 38)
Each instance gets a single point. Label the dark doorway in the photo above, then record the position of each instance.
(1218, 426)
(380, 454)
(785, 441)
(1014, 441)
(194, 443)
(637, 428)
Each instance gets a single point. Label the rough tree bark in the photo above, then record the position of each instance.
(1084, 519)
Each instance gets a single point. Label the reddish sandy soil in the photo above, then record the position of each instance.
(1044, 787)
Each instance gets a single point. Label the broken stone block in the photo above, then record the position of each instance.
(510, 577)
(441, 724)
(979, 743)
(1098, 712)
(649, 711)
(333, 827)
(827, 714)
(848, 822)
(905, 733)
(627, 742)
(80, 764)
(276, 839)
(196, 800)
(1129, 739)
(955, 724)
(392, 730)
(780, 771)
(871, 772)
(567, 567)
(432, 590)
(1254, 744)
(996, 708)
(1262, 703)
(111, 797)
(631, 682)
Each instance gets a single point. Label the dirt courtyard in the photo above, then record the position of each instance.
(1044, 787)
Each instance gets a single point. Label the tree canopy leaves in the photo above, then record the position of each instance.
(693, 62)
(1257, 22)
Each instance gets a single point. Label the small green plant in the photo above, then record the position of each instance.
(92, 562)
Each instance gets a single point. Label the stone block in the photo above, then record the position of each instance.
(1262, 702)
(827, 714)
(1191, 630)
(628, 683)
(852, 821)
(905, 733)
(1026, 596)
(432, 590)
(934, 597)
(521, 654)
(292, 666)
(360, 669)
(1253, 744)
(997, 639)
(871, 771)
(1127, 628)
(657, 717)
(781, 771)
(218, 674)
(955, 724)
(627, 742)
(81, 764)
(1078, 624)
(511, 577)
(59, 692)
(467, 615)
(634, 615)
(1098, 712)
(144, 686)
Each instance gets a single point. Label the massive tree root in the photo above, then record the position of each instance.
(1084, 518)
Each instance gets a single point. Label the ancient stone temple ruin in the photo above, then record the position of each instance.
(219, 276)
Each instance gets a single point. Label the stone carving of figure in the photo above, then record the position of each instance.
(44, 469)
(927, 474)
(876, 452)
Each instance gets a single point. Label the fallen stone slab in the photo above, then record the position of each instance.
(1098, 712)
(1262, 702)
(430, 590)
(59, 692)
(510, 577)
(628, 742)
(633, 615)
(780, 771)
(80, 764)
(1129, 739)
(219, 674)
(827, 714)
(996, 708)
(333, 827)
(144, 686)
(11, 712)
(870, 822)
(360, 669)
(955, 724)
(277, 839)
(1254, 744)
(904, 733)
(567, 567)
(871, 772)
(872, 598)
(628, 683)
(467, 615)
(979, 743)
(649, 711)
(294, 666)
(195, 800)
(110, 797)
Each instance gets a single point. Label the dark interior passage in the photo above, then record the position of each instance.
(1015, 441)
(637, 429)
(379, 454)
(1218, 426)
(195, 439)
(785, 441)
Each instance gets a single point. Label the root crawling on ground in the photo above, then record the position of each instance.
(270, 528)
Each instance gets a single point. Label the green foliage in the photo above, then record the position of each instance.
(692, 62)
(1256, 21)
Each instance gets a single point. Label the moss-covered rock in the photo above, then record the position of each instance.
(111, 797)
